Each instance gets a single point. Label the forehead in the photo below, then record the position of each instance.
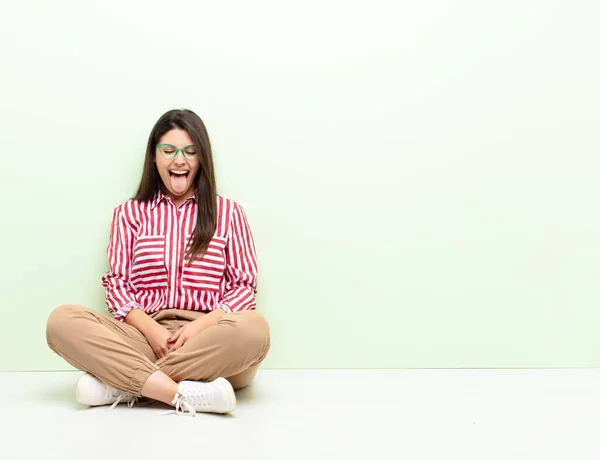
(177, 137)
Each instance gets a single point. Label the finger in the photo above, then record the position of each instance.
(180, 341)
(174, 336)
(161, 351)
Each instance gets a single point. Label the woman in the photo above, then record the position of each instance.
(181, 287)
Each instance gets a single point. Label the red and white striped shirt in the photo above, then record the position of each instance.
(146, 255)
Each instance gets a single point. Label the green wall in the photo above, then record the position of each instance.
(421, 178)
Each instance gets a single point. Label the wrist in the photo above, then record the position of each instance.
(211, 318)
(217, 313)
(141, 321)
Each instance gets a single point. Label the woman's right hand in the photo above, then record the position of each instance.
(155, 334)
(157, 337)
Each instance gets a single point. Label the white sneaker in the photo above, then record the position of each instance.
(91, 391)
(216, 396)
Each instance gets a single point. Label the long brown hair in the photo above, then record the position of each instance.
(206, 188)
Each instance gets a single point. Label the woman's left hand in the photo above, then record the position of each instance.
(194, 328)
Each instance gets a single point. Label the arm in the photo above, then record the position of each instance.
(242, 269)
(119, 298)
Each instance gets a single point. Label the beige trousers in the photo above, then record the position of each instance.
(119, 354)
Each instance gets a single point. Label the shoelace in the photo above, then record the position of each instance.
(130, 403)
(110, 393)
(187, 402)
(182, 403)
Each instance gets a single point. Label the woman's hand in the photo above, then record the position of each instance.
(155, 334)
(158, 338)
(194, 328)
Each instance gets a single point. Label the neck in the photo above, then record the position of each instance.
(179, 200)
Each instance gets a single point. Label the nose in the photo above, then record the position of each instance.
(179, 159)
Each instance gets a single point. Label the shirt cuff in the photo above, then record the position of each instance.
(224, 307)
(122, 312)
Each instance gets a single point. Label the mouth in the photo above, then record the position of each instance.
(178, 173)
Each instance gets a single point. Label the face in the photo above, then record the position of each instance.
(178, 174)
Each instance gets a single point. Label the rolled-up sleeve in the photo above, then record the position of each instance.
(120, 299)
(241, 267)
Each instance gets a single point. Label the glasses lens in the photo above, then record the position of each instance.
(167, 150)
(191, 152)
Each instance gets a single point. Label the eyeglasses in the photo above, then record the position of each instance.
(189, 152)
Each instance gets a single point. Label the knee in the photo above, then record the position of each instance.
(254, 332)
(242, 380)
(59, 322)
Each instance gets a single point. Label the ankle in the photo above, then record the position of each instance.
(160, 387)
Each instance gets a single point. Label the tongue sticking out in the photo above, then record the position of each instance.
(178, 183)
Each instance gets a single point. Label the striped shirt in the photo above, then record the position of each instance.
(146, 256)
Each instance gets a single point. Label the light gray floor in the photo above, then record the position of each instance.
(321, 414)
